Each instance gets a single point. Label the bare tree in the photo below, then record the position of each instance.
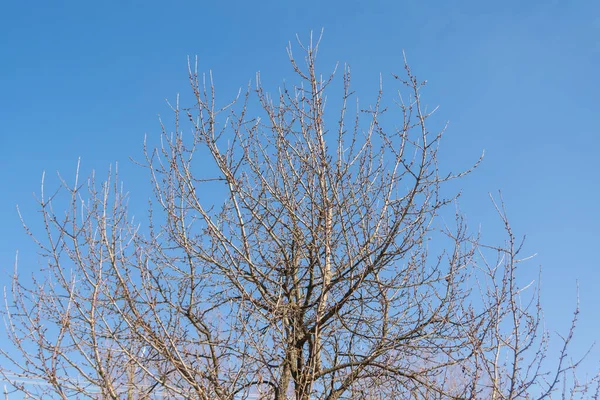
(314, 278)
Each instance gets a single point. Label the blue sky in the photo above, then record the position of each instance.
(518, 79)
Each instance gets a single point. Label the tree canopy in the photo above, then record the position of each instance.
(324, 273)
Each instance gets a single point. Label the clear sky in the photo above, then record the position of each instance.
(516, 78)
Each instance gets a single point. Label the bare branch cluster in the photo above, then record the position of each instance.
(314, 278)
